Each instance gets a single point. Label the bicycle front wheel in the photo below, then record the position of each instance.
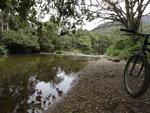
(136, 77)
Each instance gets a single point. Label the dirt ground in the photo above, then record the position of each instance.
(100, 89)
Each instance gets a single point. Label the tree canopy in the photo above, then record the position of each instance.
(24, 28)
(68, 14)
(127, 12)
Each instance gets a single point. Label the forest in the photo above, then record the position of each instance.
(22, 31)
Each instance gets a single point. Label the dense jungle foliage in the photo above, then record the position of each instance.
(23, 32)
(46, 38)
(28, 40)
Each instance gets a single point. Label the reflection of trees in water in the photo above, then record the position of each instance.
(14, 93)
(57, 79)
(16, 83)
(47, 66)
(37, 100)
(13, 84)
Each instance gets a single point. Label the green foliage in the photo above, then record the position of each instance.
(90, 42)
(3, 50)
(123, 48)
(20, 41)
(84, 43)
(3, 4)
(66, 42)
(101, 43)
(48, 37)
(46, 46)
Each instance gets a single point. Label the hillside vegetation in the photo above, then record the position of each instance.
(122, 45)
(105, 39)
(47, 40)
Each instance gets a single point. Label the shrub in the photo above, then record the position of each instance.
(66, 43)
(100, 44)
(90, 42)
(46, 44)
(20, 41)
(84, 44)
(3, 50)
(123, 48)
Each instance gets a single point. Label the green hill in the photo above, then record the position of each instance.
(107, 28)
(110, 27)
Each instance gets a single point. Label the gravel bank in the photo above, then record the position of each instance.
(100, 89)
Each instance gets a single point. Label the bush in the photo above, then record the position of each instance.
(90, 42)
(66, 43)
(20, 41)
(123, 48)
(47, 47)
(3, 50)
(84, 44)
(46, 44)
(100, 44)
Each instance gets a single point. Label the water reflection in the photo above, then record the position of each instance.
(31, 84)
(46, 93)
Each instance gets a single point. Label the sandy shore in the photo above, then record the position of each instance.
(100, 89)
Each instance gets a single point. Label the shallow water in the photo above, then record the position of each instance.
(32, 83)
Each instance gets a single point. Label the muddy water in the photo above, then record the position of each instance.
(32, 83)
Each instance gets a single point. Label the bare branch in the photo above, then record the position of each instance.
(148, 2)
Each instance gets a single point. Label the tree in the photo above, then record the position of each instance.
(3, 9)
(62, 12)
(127, 12)
(11, 8)
(68, 14)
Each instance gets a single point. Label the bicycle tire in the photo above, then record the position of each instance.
(145, 84)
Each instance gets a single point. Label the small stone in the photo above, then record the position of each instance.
(116, 60)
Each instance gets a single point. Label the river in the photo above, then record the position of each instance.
(32, 83)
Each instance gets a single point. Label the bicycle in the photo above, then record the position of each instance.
(137, 70)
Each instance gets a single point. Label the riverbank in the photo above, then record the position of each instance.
(75, 54)
(100, 89)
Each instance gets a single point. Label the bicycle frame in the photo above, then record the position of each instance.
(138, 65)
(143, 51)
